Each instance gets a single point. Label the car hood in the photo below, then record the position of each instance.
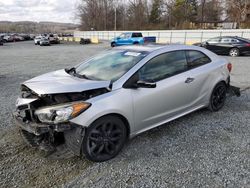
(61, 82)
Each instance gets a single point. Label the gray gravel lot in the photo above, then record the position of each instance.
(202, 149)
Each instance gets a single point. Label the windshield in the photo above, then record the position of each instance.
(110, 65)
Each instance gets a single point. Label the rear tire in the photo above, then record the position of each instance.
(104, 139)
(218, 97)
(234, 52)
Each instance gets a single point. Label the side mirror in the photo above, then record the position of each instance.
(144, 84)
(206, 43)
(118, 38)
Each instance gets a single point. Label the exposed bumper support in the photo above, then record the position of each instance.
(73, 134)
(39, 128)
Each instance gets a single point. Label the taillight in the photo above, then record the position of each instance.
(229, 67)
(248, 44)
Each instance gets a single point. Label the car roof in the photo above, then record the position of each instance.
(237, 37)
(154, 47)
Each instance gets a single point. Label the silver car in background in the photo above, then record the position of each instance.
(94, 107)
(44, 42)
(37, 40)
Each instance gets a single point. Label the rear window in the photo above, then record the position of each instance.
(244, 39)
(196, 58)
(136, 35)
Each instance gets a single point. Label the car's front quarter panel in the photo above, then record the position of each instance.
(115, 102)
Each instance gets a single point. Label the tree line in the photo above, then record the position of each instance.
(161, 14)
(35, 27)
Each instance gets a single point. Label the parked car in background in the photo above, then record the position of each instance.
(54, 39)
(8, 38)
(44, 41)
(83, 107)
(85, 41)
(37, 40)
(17, 38)
(1, 41)
(127, 39)
(227, 45)
(25, 36)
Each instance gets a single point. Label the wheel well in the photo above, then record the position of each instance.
(222, 81)
(124, 120)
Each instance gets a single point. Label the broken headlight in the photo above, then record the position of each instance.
(61, 113)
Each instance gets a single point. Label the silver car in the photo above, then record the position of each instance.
(44, 42)
(94, 107)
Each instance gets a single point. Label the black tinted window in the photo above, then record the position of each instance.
(229, 40)
(164, 66)
(136, 35)
(196, 58)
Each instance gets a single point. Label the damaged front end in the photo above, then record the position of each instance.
(44, 119)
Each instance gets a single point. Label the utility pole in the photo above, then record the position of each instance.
(115, 19)
(202, 13)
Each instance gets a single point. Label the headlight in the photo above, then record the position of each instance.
(61, 113)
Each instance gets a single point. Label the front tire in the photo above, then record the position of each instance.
(234, 52)
(218, 97)
(113, 44)
(104, 139)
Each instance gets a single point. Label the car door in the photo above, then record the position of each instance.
(171, 96)
(225, 45)
(202, 74)
(127, 39)
(124, 39)
(120, 39)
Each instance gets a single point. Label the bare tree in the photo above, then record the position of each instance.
(237, 10)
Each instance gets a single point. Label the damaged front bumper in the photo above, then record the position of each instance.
(45, 136)
(38, 128)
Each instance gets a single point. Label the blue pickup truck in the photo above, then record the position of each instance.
(127, 39)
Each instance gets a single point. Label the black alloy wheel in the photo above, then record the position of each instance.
(218, 97)
(104, 139)
(113, 44)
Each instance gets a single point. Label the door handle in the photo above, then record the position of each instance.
(189, 80)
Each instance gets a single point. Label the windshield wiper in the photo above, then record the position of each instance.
(81, 76)
(72, 71)
(69, 70)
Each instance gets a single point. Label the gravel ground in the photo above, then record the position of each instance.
(202, 149)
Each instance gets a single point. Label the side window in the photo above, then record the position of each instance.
(235, 41)
(164, 66)
(196, 58)
(136, 35)
(226, 40)
(127, 35)
(122, 36)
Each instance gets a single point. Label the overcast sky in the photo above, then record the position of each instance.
(38, 10)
